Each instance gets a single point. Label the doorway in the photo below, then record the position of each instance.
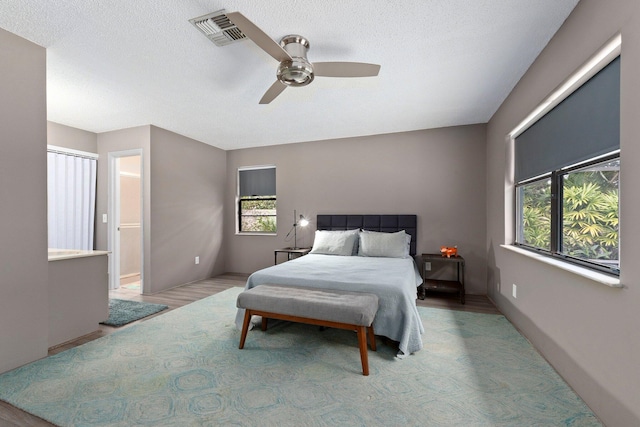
(125, 206)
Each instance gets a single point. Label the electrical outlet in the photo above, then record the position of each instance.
(427, 266)
(104, 218)
(515, 291)
(197, 260)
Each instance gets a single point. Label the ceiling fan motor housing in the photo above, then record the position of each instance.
(298, 71)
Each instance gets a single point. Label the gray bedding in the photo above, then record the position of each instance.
(394, 280)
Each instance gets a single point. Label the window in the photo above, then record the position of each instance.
(567, 169)
(587, 219)
(534, 211)
(257, 199)
(71, 198)
(590, 212)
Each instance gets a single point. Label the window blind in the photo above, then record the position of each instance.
(583, 126)
(71, 201)
(257, 182)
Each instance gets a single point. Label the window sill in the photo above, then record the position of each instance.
(254, 233)
(601, 278)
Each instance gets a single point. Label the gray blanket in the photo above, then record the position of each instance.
(394, 280)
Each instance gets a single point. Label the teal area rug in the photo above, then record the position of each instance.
(184, 368)
(123, 311)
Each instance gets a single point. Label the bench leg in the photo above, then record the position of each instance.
(245, 327)
(372, 338)
(362, 340)
(263, 323)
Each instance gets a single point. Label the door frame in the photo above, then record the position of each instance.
(113, 209)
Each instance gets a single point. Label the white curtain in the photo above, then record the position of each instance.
(71, 200)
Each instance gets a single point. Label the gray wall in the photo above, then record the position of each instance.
(589, 332)
(437, 174)
(24, 304)
(187, 196)
(183, 196)
(68, 137)
(78, 297)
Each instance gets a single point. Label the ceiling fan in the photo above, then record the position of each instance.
(295, 69)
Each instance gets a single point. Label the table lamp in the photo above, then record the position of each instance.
(298, 222)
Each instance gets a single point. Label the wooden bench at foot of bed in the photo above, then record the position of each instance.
(324, 307)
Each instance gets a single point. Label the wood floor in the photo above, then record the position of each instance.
(11, 416)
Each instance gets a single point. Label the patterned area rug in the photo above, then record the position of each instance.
(184, 368)
(123, 311)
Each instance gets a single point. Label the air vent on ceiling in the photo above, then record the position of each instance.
(218, 28)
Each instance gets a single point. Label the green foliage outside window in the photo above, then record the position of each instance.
(590, 219)
(258, 214)
(536, 214)
(590, 213)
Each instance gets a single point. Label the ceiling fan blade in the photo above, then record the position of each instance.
(345, 69)
(259, 37)
(276, 89)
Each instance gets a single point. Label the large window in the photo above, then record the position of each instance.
(567, 170)
(583, 227)
(257, 199)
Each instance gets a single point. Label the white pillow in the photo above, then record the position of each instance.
(334, 242)
(389, 245)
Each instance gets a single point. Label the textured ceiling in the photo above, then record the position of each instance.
(122, 63)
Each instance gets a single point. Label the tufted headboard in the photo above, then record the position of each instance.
(385, 223)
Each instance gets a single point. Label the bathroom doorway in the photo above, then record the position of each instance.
(126, 225)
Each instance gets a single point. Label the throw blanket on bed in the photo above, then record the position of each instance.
(394, 280)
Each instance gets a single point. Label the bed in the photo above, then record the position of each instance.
(354, 264)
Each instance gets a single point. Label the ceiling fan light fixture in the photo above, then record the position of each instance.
(297, 72)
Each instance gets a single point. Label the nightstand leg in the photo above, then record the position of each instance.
(461, 280)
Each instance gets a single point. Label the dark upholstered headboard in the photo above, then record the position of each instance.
(385, 223)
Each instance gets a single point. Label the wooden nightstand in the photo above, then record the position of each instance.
(291, 253)
(453, 285)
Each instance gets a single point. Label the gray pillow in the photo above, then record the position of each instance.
(388, 245)
(328, 242)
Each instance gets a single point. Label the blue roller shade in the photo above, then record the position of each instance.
(257, 182)
(583, 126)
